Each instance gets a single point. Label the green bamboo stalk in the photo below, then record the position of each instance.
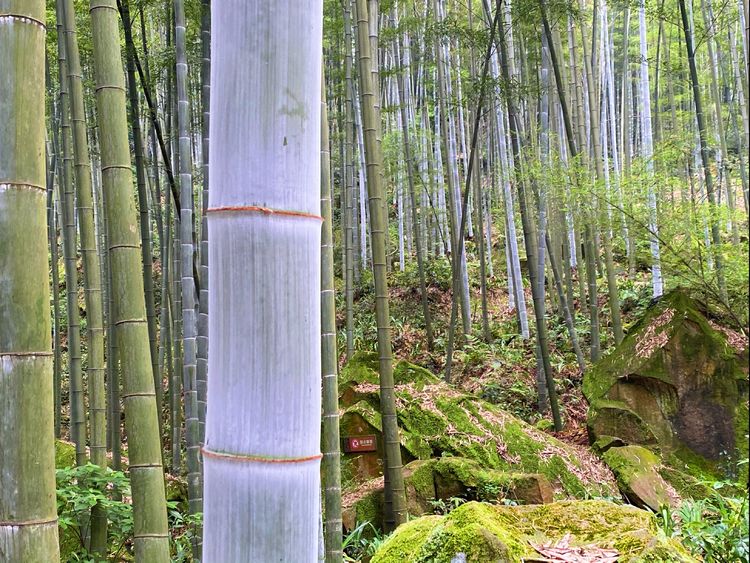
(67, 205)
(189, 327)
(331, 462)
(202, 340)
(28, 522)
(150, 535)
(702, 135)
(348, 184)
(140, 175)
(91, 271)
(396, 512)
(52, 232)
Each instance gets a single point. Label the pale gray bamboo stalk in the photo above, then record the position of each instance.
(262, 451)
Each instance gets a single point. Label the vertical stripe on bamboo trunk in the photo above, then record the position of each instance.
(262, 461)
(28, 520)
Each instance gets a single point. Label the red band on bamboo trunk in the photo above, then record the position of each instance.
(258, 459)
(264, 210)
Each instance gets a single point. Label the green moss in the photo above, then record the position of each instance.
(421, 478)
(487, 533)
(437, 421)
(398, 547)
(362, 368)
(370, 508)
(637, 471)
(65, 454)
(364, 410)
(453, 410)
(686, 485)
(406, 372)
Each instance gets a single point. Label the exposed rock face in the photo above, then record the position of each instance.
(485, 533)
(677, 383)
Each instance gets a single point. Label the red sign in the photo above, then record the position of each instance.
(358, 444)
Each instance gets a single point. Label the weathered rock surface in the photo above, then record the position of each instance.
(485, 533)
(678, 384)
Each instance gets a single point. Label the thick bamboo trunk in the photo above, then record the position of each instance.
(151, 540)
(91, 271)
(28, 522)
(262, 452)
(67, 208)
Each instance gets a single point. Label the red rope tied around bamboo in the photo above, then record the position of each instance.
(258, 459)
(264, 210)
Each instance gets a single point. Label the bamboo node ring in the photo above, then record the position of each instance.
(258, 459)
(264, 210)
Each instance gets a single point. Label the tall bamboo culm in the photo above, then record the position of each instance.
(150, 533)
(28, 520)
(262, 451)
(329, 356)
(92, 279)
(394, 476)
(189, 321)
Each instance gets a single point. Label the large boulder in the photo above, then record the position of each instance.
(677, 384)
(436, 420)
(487, 533)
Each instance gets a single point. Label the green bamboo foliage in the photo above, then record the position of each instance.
(67, 207)
(91, 270)
(151, 539)
(189, 326)
(329, 356)
(28, 522)
(395, 496)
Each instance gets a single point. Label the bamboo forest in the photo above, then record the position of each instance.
(387, 281)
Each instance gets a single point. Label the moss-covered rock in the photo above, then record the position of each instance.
(427, 482)
(639, 479)
(677, 383)
(437, 421)
(491, 533)
(65, 454)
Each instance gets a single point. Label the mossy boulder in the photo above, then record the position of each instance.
(637, 472)
(678, 384)
(438, 421)
(486, 533)
(428, 482)
(65, 454)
